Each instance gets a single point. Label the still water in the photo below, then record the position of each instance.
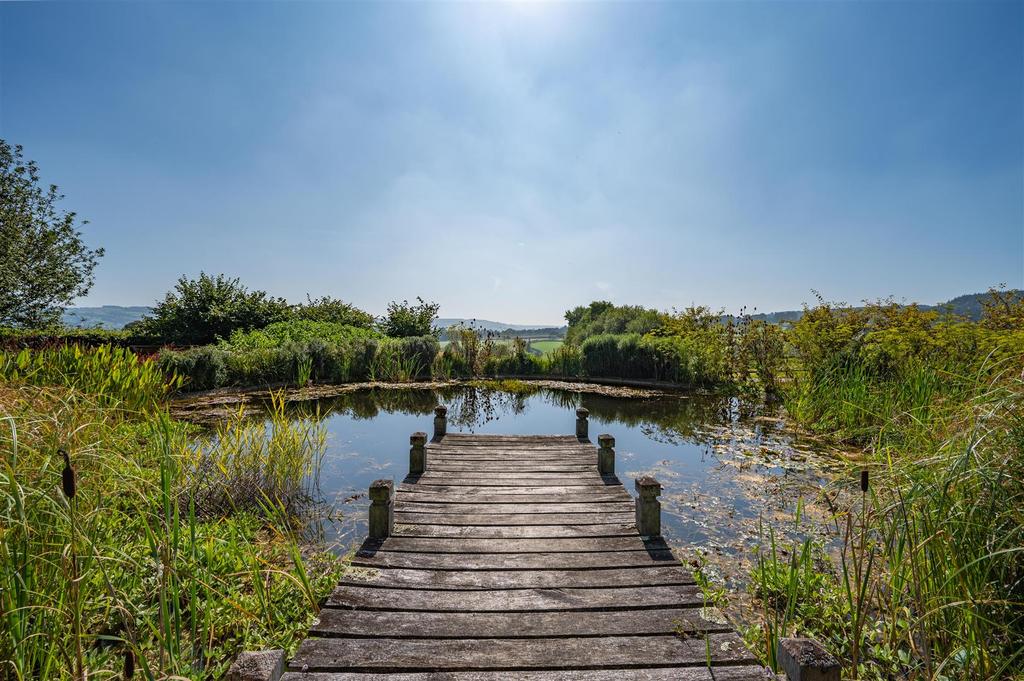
(728, 469)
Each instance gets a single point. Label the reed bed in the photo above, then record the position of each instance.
(108, 566)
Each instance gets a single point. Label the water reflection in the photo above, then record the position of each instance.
(724, 465)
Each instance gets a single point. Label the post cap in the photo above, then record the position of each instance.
(441, 411)
(382, 490)
(648, 487)
(805, 658)
(606, 441)
(582, 413)
(418, 439)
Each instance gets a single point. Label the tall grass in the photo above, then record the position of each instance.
(247, 461)
(115, 376)
(929, 579)
(126, 572)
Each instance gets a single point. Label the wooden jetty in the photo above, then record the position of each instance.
(517, 557)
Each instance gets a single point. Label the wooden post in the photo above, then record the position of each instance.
(804, 659)
(417, 453)
(440, 422)
(648, 508)
(582, 425)
(606, 454)
(263, 665)
(382, 509)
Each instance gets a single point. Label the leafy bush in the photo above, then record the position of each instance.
(298, 363)
(404, 320)
(602, 317)
(38, 339)
(333, 311)
(203, 310)
(295, 331)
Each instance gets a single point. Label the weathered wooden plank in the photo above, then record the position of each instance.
(384, 654)
(511, 561)
(591, 495)
(427, 482)
(512, 453)
(655, 575)
(511, 518)
(461, 491)
(512, 479)
(554, 545)
(512, 600)
(516, 532)
(363, 624)
(488, 437)
(733, 673)
(522, 467)
(502, 509)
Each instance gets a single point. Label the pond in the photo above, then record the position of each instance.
(728, 469)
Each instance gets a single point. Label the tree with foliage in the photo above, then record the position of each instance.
(333, 311)
(199, 311)
(404, 320)
(601, 317)
(44, 264)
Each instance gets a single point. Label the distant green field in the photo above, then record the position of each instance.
(547, 346)
(542, 346)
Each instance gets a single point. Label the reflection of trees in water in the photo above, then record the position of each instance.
(669, 420)
(369, 403)
(473, 407)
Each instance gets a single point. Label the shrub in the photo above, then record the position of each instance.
(333, 311)
(202, 368)
(404, 320)
(295, 331)
(38, 339)
(602, 317)
(203, 310)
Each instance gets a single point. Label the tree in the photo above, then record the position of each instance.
(335, 311)
(199, 311)
(44, 264)
(404, 320)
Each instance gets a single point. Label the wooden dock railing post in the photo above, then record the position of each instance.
(382, 509)
(606, 454)
(804, 659)
(418, 453)
(440, 422)
(582, 425)
(648, 508)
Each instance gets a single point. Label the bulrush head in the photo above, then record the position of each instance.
(864, 481)
(129, 664)
(68, 483)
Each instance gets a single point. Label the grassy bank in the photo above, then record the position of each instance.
(132, 541)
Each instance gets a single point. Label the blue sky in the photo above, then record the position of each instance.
(513, 160)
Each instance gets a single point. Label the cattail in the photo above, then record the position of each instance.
(864, 481)
(68, 476)
(129, 664)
